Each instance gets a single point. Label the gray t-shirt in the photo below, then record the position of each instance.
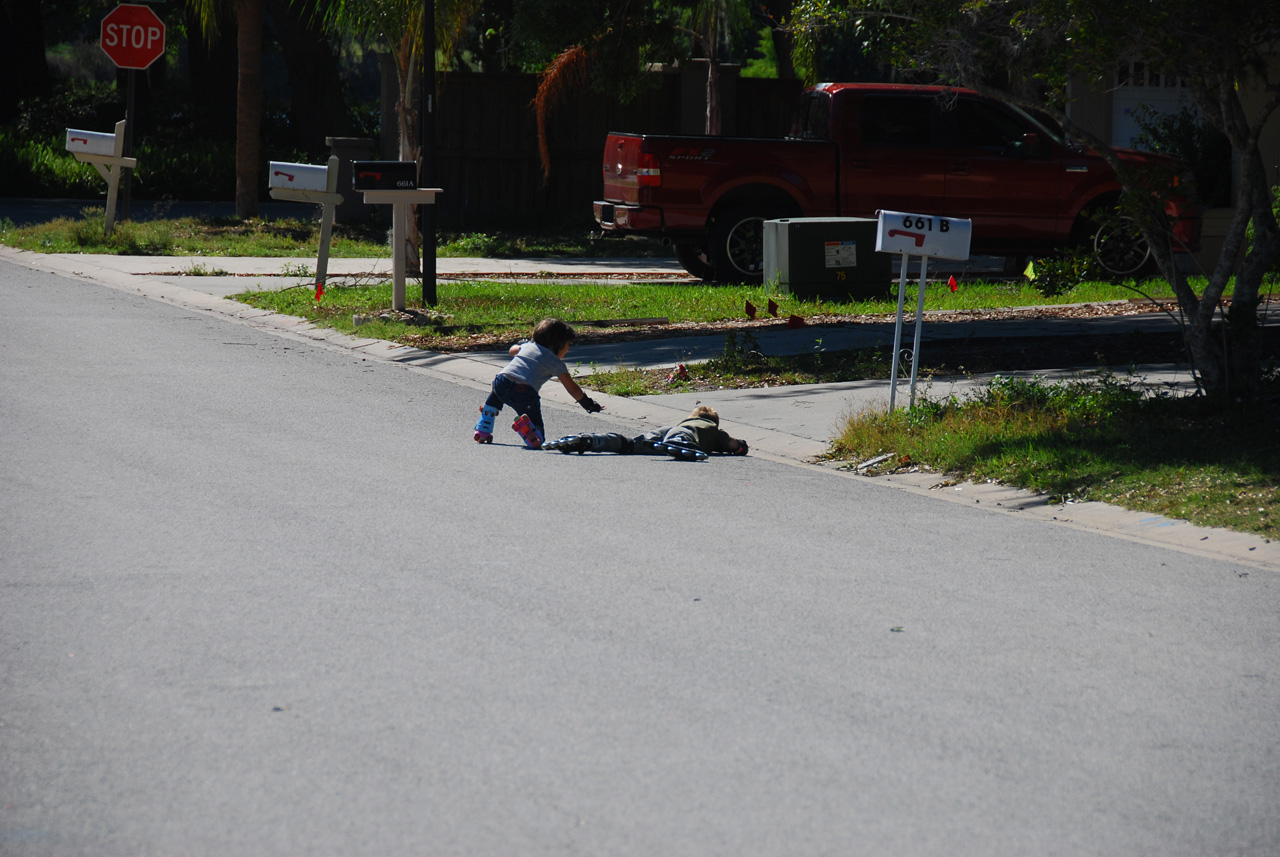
(534, 365)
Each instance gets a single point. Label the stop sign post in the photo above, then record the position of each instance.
(133, 37)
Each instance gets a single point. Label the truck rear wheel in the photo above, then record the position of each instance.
(737, 242)
(694, 260)
(1121, 249)
(1115, 241)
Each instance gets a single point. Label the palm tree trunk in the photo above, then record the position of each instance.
(248, 105)
(407, 111)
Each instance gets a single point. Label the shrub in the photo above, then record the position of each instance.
(1053, 276)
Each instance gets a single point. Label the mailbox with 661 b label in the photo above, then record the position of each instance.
(927, 236)
(923, 235)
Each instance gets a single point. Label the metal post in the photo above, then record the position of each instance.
(130, 118)
(897, 333)
(426, 172)
(399, 233)
(915, 347)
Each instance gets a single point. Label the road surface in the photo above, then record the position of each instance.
(265, 597)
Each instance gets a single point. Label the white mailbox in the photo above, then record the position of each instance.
(105, 153)
(90, 142)
(928, 236)
(298, 176)
(923, 235)
(317, 183)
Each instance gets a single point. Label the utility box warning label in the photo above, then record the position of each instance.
(842, 254)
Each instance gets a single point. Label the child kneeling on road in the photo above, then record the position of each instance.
(517, 385)
(692, 439)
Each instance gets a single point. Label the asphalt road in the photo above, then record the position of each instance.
(264, 597)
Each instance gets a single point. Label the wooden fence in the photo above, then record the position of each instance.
(486, 141)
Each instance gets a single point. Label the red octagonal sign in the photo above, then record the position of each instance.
(133, 36)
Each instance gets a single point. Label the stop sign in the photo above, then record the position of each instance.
(133, 36)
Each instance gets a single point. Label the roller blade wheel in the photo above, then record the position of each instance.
(684, 453)
(572, 443)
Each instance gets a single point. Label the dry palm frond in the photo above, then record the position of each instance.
(567, 72)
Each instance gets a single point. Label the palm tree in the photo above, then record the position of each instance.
(248, 14)
(397, 26)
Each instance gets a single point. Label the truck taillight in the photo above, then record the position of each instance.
(648, 170)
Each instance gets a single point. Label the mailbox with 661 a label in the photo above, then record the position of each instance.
(923, 235)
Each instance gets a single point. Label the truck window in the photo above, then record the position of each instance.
(897, 120)
(980, 125)
(813, 117)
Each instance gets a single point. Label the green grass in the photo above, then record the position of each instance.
(189, 236)
(1090, 440)
(199, 236)
(489, 309)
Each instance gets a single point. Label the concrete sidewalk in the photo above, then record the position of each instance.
(793, 423)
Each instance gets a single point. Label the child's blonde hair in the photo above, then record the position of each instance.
(706, 412)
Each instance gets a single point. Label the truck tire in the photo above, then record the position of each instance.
(694, 260)
(736, 250)
(1115, 242)
(1121, 249)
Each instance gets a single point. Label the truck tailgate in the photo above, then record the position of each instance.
(621, 161)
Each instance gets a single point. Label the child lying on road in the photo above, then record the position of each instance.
(692, 439)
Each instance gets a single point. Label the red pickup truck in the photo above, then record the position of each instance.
(857, 148)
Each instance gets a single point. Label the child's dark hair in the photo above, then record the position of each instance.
(554, 334)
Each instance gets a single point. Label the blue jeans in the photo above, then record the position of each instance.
(522, 398)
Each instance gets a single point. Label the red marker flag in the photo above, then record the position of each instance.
(319, 290)
(952, 283)
(751, 310)
(773, 308)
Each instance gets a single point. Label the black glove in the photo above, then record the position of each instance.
(590, 405)
(742, 447)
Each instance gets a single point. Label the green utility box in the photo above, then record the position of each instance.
(826, 258)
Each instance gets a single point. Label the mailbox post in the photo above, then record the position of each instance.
(310, 183)
(394, 183)
(106, 153)
(922, 235)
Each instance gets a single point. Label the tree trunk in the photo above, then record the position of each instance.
(1225, 354)
(779, 12)
(1227, 360)
(248, 105)
(1244, 359)
(713, 97)
(407, 111)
